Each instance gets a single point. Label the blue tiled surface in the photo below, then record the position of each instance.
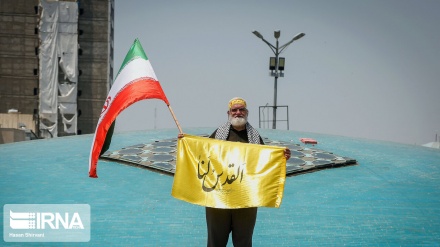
(160, 155)
(391, 198)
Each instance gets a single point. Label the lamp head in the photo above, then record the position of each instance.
(298, 36)
(257, 34)
(276, 34)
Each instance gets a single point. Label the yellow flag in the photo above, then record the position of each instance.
(223, 174)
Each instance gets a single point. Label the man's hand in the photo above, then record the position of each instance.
(180, 135)
(287, 153)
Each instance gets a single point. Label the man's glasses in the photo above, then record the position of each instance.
(238, 109)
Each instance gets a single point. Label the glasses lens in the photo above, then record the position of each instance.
(238, 109)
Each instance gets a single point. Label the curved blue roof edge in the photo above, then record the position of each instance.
(391, 198)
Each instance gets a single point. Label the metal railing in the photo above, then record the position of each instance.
(265, 116)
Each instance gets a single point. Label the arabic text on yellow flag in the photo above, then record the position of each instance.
(223, 174)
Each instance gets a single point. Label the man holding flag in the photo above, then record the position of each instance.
(230, 173)
(224, 218)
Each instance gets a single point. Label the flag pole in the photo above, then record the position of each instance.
(175, 119)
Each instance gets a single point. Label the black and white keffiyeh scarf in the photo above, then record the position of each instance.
(223, 132)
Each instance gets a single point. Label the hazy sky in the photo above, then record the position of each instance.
(367, 69)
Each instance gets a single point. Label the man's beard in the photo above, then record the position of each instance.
(238, 121)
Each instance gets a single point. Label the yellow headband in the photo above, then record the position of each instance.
(237, 100)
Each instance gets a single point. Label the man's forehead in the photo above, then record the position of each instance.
(235, 106)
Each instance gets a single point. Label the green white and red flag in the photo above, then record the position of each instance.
(135, 81)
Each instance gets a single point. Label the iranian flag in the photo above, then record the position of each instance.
(135, 81)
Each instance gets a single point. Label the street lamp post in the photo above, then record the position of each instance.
(276, 65)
